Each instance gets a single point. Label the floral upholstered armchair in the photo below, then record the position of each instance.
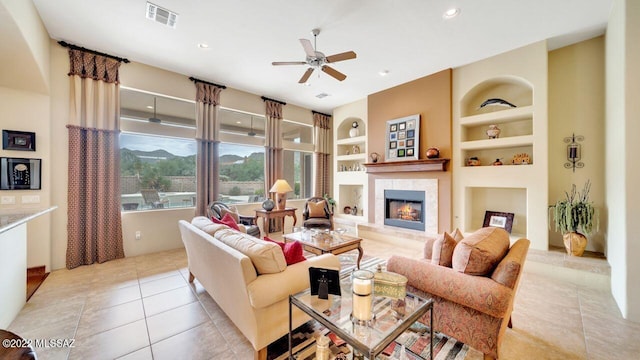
(473, 283)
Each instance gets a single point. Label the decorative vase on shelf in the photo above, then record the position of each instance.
(268, 204)
(353, 132)
(493, 132)
(473, 161)
(354, 210)
(433, 153)
(374, 157)
(497, 162)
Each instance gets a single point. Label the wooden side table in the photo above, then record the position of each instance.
(275, 214)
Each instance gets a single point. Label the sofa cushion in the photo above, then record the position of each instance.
(428, 247)
(443, 250)
(227, 220)
(316, 209)
(205, 224)
(267, 257)
(480, 252)
(232, 211)
(293, 252)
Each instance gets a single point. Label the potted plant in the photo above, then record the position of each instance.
(330, 201)
(574, 212)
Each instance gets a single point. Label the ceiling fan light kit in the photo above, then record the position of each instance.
(316, 59)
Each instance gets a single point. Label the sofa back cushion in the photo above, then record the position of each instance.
(205, 224)
(480, 252)
(508, 270)
(442, 253)
(267, 257)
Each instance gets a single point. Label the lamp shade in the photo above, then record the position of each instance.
(281, 186)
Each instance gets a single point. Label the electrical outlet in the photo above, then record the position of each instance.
(138, 235)
(31, 199)
(8, 200)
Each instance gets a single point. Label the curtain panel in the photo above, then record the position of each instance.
(273, 169)
(208, 144)
(94, 227)
(321, 153)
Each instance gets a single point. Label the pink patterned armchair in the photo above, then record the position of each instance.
(475, 309)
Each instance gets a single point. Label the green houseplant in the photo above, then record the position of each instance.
(330, 201)
(572, 214)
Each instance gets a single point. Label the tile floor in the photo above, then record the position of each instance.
(144, 308)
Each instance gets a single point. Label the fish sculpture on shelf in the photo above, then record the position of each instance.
(496, 102)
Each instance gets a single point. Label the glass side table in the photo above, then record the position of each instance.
(392, 318)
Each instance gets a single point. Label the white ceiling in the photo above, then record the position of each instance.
(409, 38)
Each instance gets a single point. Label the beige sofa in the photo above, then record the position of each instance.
(248, 278)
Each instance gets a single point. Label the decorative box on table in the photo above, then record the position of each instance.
(389, 284)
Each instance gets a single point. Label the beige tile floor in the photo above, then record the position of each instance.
(144, 308)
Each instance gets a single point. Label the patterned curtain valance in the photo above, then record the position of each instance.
(208, 93)
(321, 120)
(89, 65)
(273, 109)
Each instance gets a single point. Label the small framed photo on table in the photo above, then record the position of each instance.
(498, 219)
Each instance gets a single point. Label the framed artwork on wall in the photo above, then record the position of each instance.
(18, 140)
(19, 174)
(498, 219)
(402, 138)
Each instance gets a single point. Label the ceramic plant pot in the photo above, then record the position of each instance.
(575, 243)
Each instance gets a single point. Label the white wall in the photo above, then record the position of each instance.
(622, 145)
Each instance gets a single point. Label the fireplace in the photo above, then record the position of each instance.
(405, 209)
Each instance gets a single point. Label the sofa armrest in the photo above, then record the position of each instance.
(476, 292)
(268, 289)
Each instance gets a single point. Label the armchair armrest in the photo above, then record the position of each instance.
(476, 292)
(268, 289)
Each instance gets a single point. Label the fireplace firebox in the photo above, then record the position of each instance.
(405, 209)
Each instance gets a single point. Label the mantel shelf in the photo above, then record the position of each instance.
(407, 166)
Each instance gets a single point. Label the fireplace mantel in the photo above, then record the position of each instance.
(407, 166)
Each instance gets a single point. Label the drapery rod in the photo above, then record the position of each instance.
(207, 82)
(76, 47)
(318, 112)
(264, 98)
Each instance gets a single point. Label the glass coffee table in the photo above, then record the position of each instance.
(392, 318)
(326, 242)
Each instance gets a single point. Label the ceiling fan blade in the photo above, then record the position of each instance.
(305, 76)
(308, 48)
(342, 56)
(333, 72)
(288, 63)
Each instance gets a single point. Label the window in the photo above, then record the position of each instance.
(297, 141)
(241, 173)
(157, 151)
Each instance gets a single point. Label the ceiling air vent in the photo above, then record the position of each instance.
(161, 15)
(322, 95)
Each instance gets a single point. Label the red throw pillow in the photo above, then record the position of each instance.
(292, 251)
(227, 220)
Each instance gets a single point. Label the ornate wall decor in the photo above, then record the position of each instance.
(574, 152)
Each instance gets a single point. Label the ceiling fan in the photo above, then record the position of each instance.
(316, 59)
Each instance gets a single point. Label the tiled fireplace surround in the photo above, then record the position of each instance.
(430, 208)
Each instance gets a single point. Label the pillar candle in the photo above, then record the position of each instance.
(362, 289)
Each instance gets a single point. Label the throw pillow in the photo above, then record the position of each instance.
(457, 234)
(293, 252)
(227, 220)
(480, 252)
(232, 211)
(316, 209)
(443, 250)
(428, 247)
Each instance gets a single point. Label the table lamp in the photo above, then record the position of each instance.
(281, 188)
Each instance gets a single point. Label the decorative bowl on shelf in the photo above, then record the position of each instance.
(347, 210)
(433, 153)
(473, 161)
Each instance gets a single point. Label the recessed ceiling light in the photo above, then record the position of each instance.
(383, 72)
(451, 13)
(149, 107)
(203, 46)
(238, 122)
